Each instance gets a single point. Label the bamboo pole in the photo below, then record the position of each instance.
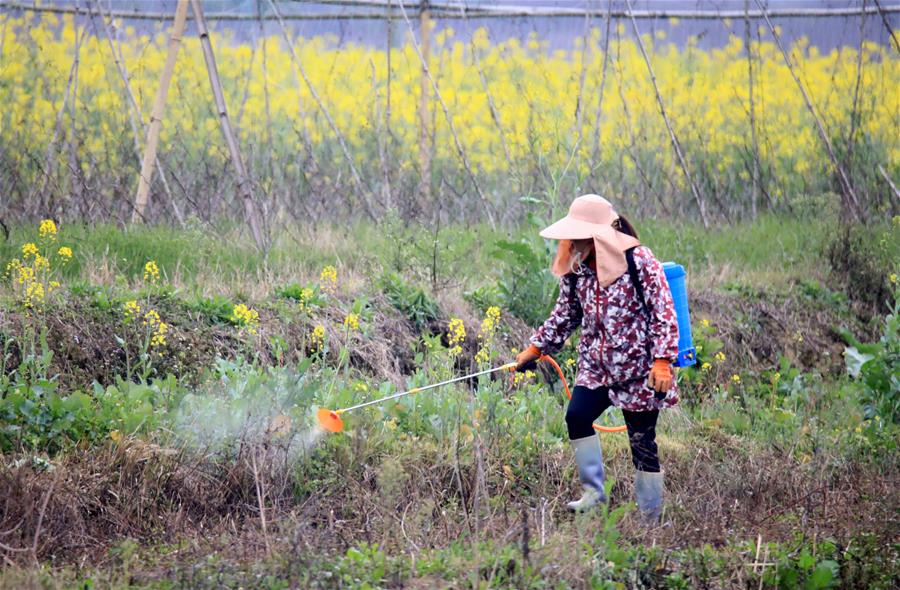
(849, 202)
(662, 109)
(244, 186)
(424, 150)
(134, 113)
(156, 115)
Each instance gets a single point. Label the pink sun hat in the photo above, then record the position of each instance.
(588, 215)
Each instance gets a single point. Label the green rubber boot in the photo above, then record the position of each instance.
(589, 458)
(648, 488)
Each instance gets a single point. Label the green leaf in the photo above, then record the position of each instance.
(855, 360)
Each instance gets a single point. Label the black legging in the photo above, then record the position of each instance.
(587, 405)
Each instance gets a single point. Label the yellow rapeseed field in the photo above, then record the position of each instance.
(535, 93)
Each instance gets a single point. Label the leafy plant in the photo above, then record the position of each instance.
(410, 300)
(876, 367)
(526, 285)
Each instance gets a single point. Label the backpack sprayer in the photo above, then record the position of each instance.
(331, 420)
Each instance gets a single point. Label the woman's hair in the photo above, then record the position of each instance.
(571, 253)
(623, 225)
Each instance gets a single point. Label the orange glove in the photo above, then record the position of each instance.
(526, 360)
(661, 378)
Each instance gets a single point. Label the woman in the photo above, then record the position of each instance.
(626, 351)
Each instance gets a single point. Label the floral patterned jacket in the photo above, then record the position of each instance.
(618, 340)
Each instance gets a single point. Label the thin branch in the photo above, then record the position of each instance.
(850, 202)
(357, 180)
(662, 109)
(437, 93)
(887, 24)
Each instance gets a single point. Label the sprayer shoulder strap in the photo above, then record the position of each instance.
(636, 280)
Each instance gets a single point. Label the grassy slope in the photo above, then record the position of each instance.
(742, 462)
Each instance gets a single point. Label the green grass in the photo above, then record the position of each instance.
(413, 466)
(770, 245)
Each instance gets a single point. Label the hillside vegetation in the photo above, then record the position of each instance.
(159, 387)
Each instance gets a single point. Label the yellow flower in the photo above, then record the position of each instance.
(159, 335)
(893, 278)
(115, 436)
(456, 335)
(29, 249)
(41, 263)
(720, 356)
(34, 295)
(245, 317)
(351, 322)
(317, 338)
(132, 309)
(151, 271)
(705, 367)
(13, 266)
(65, 253)
(776, 377)
(47, 230)
(570, 362)
(736, 378)
(489, 326)
(52, 286)
(151, 318)
(705, 322)
(25, 274)
(328, 276)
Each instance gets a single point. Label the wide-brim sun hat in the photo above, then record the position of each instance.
(588, 215)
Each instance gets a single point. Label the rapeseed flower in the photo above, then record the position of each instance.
(456, 336)
(41, 263)
(351, 322)
(151, 271)
(317, 338)
(47, 230)
(328, 278)
(34, 295)
(132, 310)
(245, 317)
(30, 249)
(720, 357)
(736, 378)
(65, 253)
(489, 326)
(705, 367)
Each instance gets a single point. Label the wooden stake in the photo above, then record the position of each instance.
(156, 115)
(134, 113)
(244, 187)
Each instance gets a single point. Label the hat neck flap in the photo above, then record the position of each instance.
(609, 248)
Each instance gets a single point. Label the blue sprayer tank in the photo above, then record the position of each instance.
(675, 275)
